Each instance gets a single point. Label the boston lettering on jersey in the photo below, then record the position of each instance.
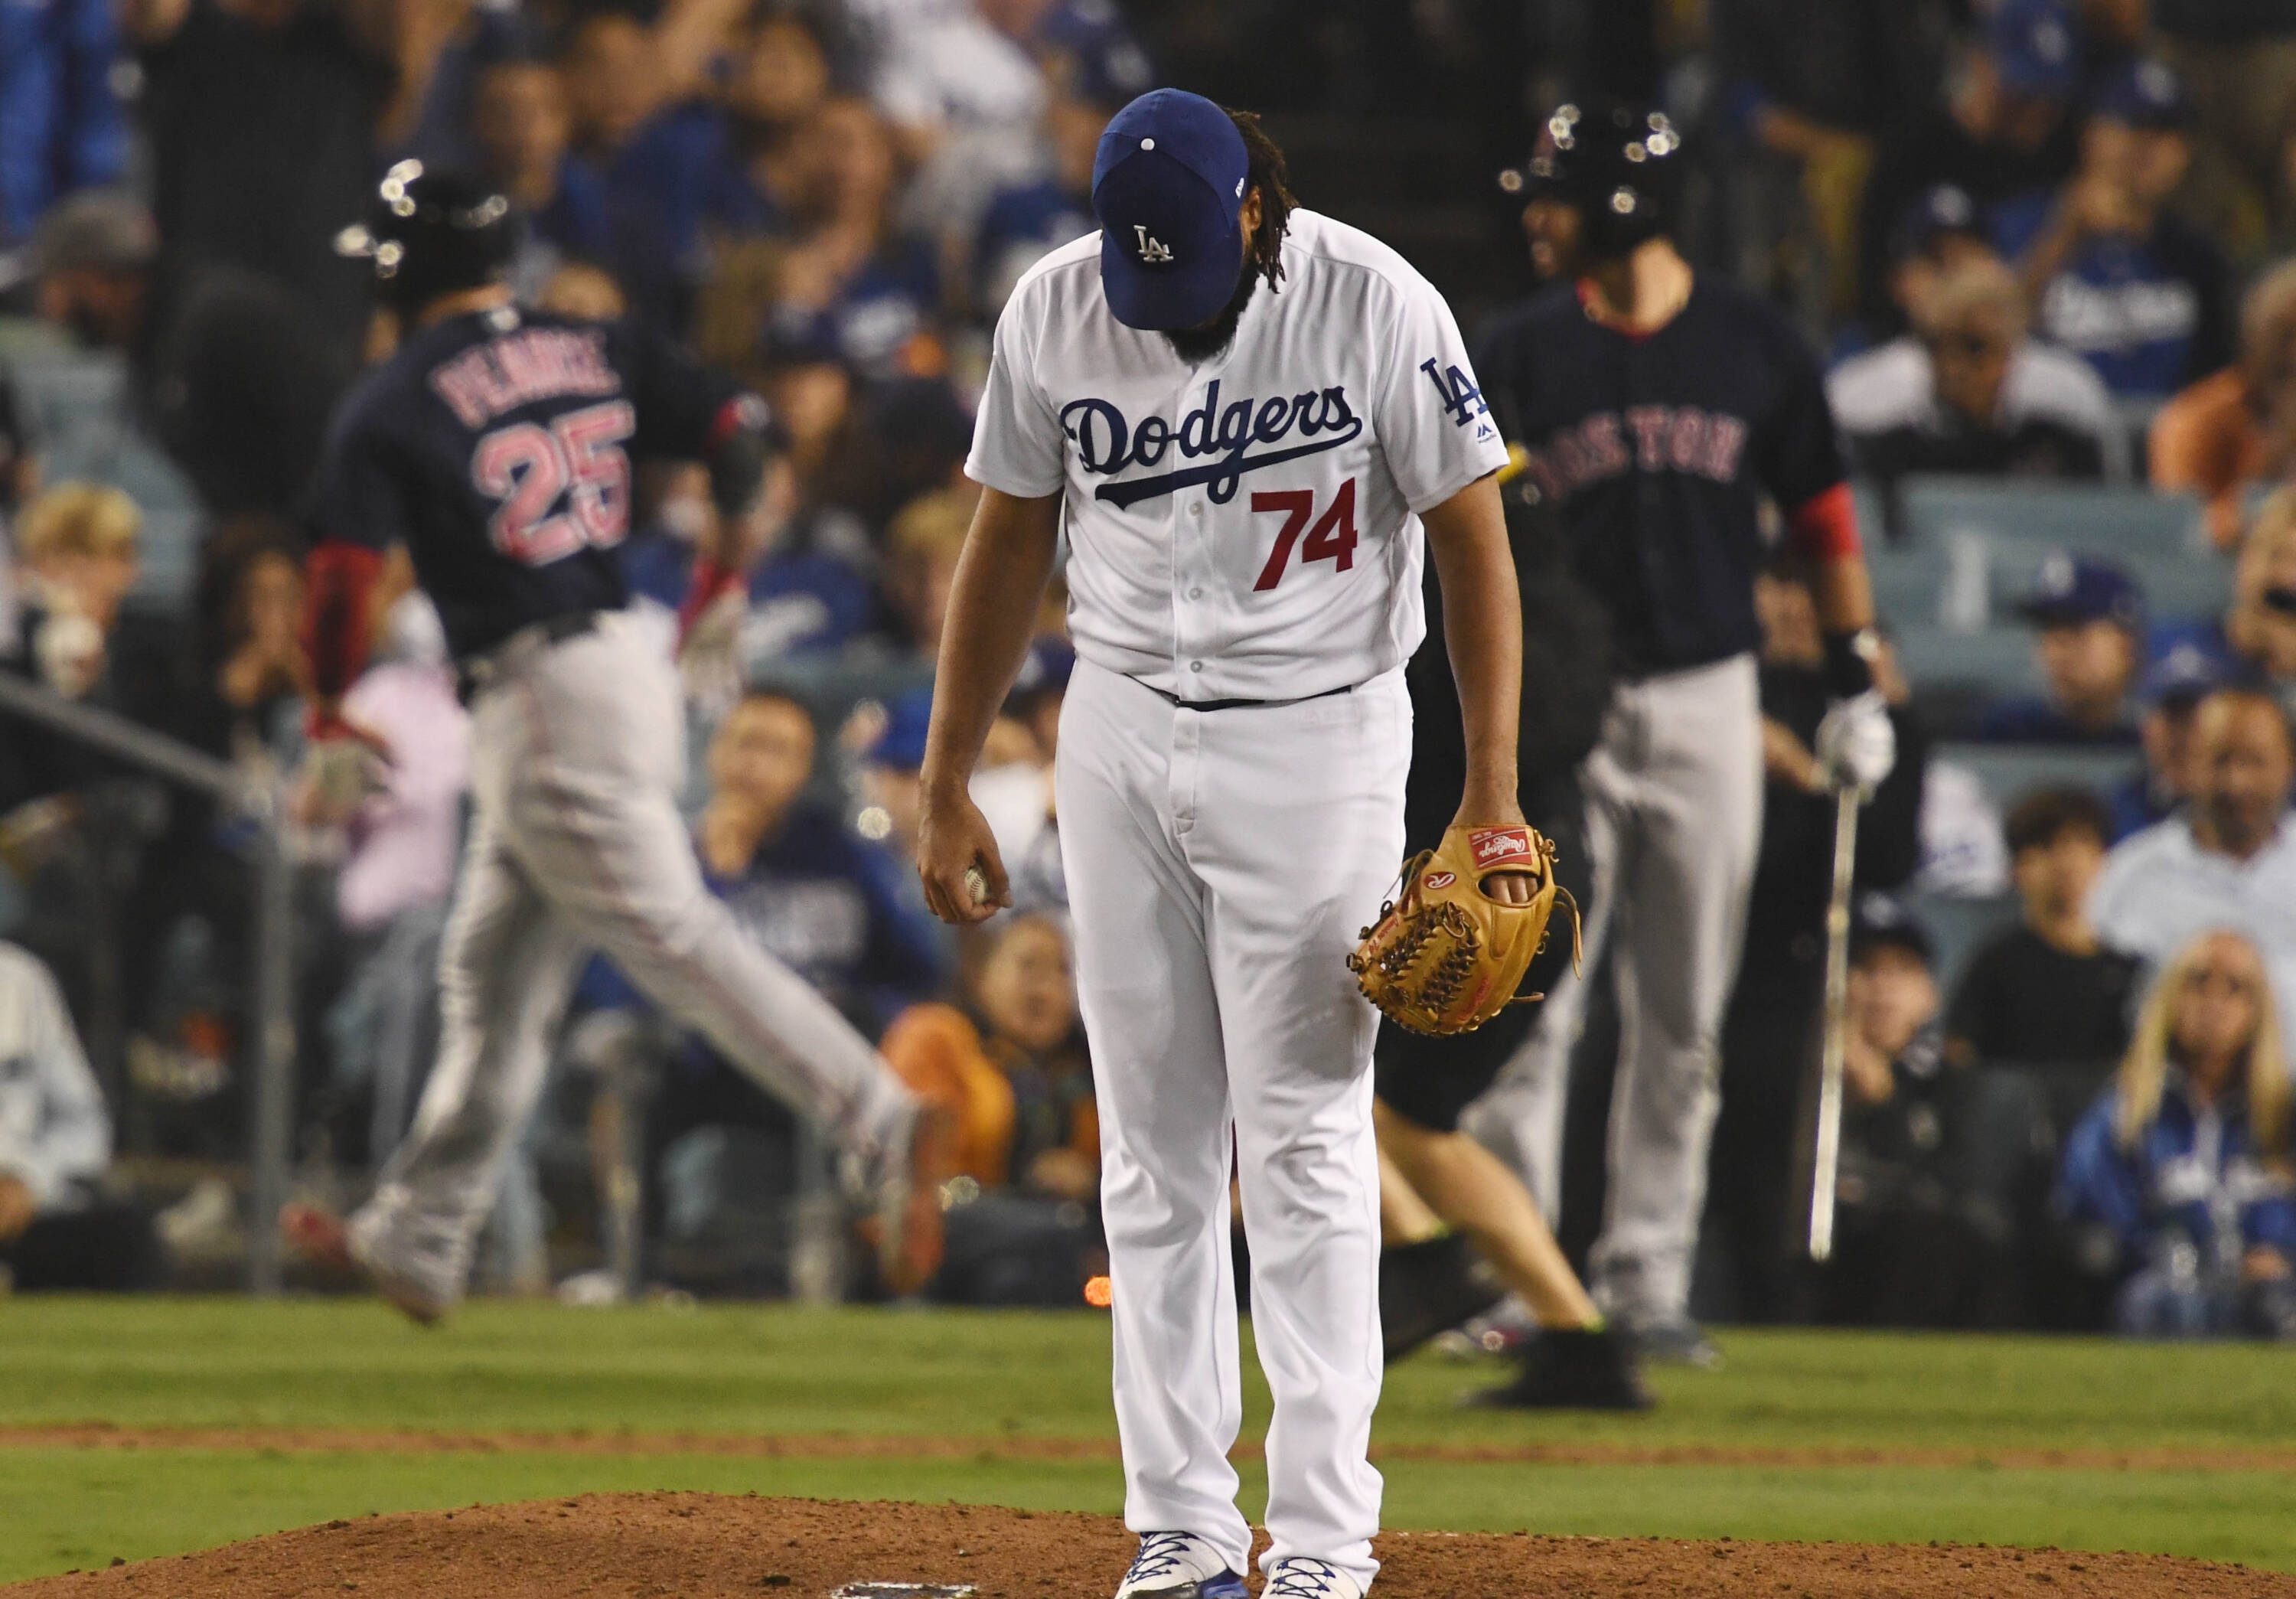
(1107, 442)
(1654, 439)
(488, 380)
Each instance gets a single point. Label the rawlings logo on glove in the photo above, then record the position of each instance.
(1447, 957)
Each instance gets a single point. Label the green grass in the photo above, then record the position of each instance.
(216, 1363)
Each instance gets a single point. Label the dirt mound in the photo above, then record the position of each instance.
(710, 1546)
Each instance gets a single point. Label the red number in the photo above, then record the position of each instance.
(1297, 504)
(528, 468)
(1333, 538)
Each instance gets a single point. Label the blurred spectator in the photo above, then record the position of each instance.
(2226, 860)
(1768, 1030)
(1008, 1066)
(2240, 57)
(57, 1229)
(892, 752)
(2224, 433)
(2088, 621)
(920, 565)
(81, 407)
(801, 598)
(780, 82)
(2119, 280)
(522, 128)
(826, 904)
(75, 547)
(1913, 1246)
(261, 117)
(61, 122)
(1812, 83)
(962, 67)
(872, 289)
(246, 698)
(1025, 220)
(2174, 686)
(2259, 628)
(2045, 990)
(1969, 392)
(642, 128)
(2005, 132)
(2181, 1172)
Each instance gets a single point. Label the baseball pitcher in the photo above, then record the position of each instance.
(1245, 419)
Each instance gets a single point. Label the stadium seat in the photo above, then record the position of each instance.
(2011, 771)
(1998, 660)
(2118, 521)
(1958, 926)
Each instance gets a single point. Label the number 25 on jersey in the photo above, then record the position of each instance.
(529, 469)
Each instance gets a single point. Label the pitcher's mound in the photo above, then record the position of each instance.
(712, 1546)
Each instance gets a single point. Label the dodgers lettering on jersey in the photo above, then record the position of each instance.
(497, 447)
(1245, 529)
(1657, 452)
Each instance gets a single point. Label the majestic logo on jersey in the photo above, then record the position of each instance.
(1153, 251)
(1463, 402)
(1107, 442)
(1651, 438)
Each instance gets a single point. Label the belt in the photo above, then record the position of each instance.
(476, 671)
(1344, 688)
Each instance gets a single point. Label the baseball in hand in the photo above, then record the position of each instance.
(976, 883)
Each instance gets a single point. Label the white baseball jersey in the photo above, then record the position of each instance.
(1246, 529)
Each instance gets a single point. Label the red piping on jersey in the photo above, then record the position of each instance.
(341, 579)
(1824, 526)
(1590, 303)
(709, 580)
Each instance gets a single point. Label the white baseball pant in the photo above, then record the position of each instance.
(1674, 818)
(578, 753)
(1221, 864)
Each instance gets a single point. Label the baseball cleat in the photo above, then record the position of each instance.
(322, 1239)
(1675, 1340)
(1297, 1576)
(1576, 1370)
(1180, 1565)
(907, 1223)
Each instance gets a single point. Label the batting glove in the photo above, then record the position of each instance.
(1856, 742)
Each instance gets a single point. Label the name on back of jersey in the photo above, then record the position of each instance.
(500, 375)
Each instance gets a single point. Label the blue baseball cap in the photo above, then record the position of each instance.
(1167, 186)
(1878, 918)
(2145, 94)
(901, 746)
(2188, 672)
(2033, 46)
(2074, 589)
(1947, 209)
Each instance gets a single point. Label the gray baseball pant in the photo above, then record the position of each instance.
(1674, 812)
(577, 754)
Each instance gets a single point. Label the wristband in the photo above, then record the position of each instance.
(1849, 659)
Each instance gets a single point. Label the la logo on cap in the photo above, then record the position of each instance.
(1151, 249)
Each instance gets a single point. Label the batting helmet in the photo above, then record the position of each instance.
(430, 234)
(1618, 165)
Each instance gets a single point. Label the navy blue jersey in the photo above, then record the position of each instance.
(1656, 453)
(497, 447)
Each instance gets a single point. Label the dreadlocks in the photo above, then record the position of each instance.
(1265, 174)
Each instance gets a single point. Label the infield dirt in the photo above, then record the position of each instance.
(715, 1547)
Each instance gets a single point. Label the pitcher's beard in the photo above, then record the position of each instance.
(1197, 345)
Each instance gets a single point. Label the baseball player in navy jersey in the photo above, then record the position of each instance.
(1246, 420)
(496, 447)
(1659, 409)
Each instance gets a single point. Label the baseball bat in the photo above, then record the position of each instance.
(1835, 1048)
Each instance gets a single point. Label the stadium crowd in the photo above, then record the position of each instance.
(2045, 242)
